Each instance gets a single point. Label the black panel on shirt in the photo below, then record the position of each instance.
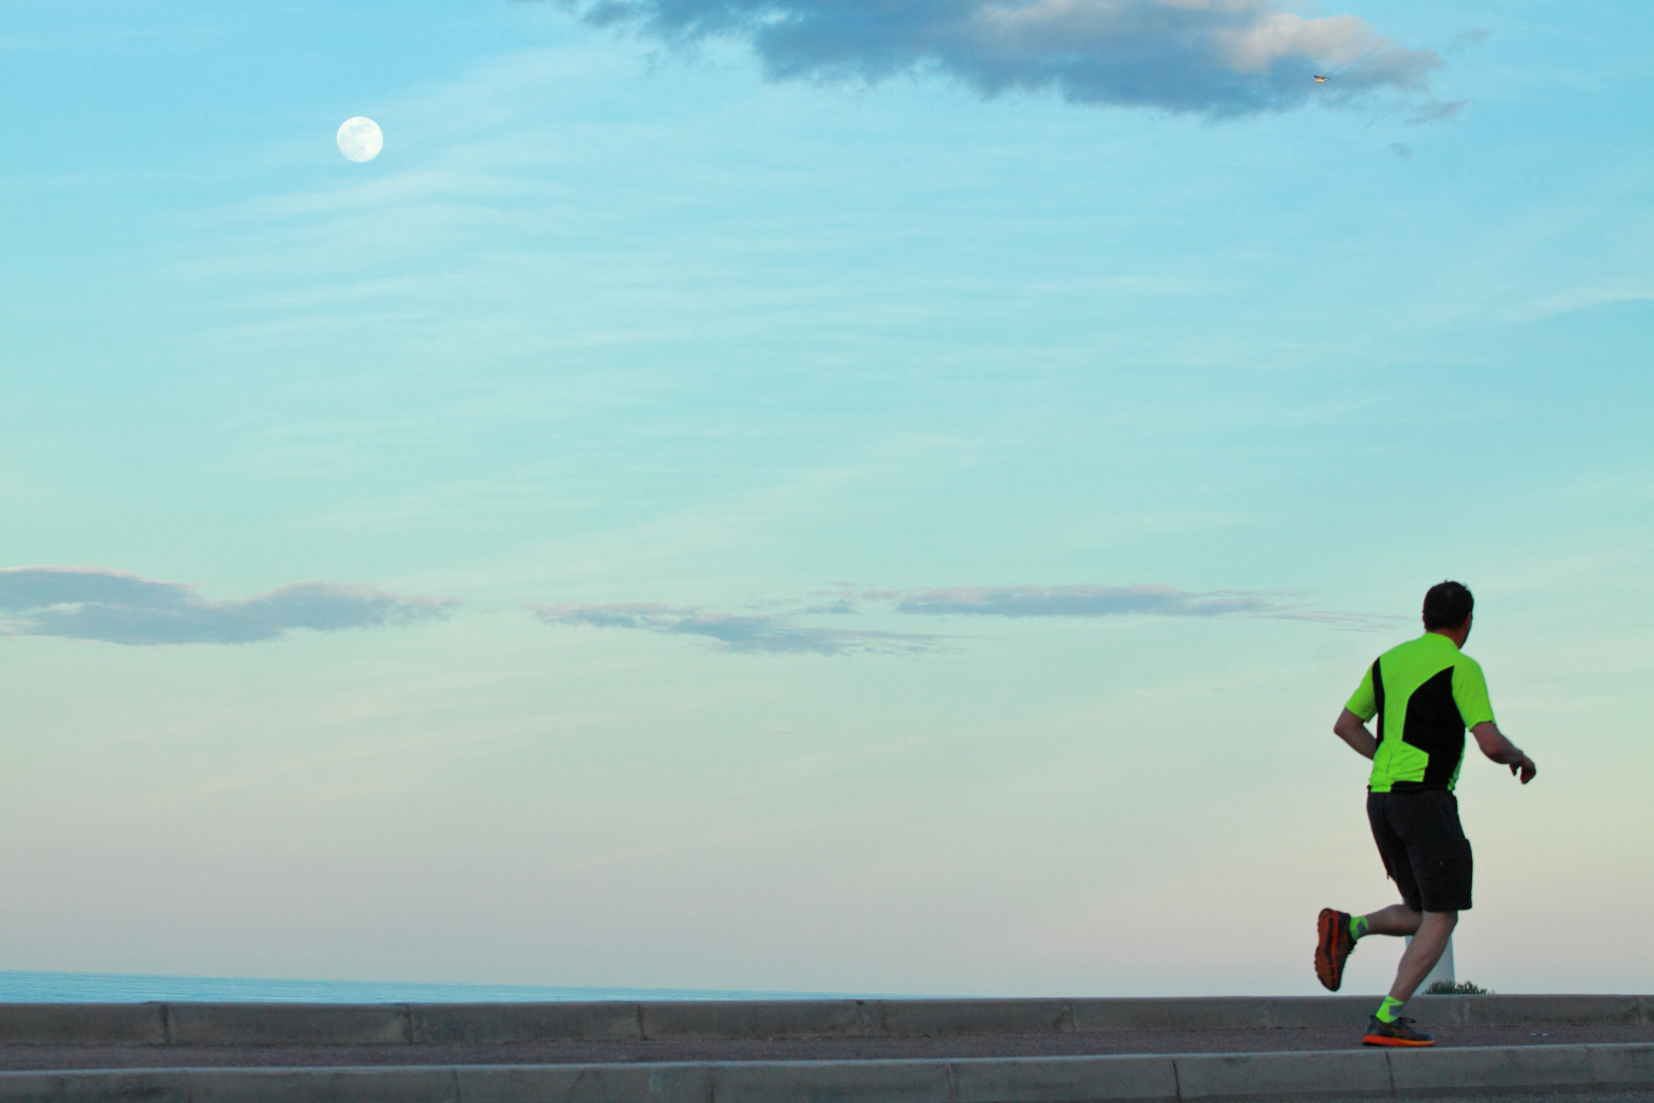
(1378, 697)
(1434, 726)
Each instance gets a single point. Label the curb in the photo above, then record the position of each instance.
(279, 1024)
(1209, 1078)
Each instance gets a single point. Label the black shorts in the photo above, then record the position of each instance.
(1424, 848)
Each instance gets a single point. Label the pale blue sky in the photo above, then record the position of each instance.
(612, 324)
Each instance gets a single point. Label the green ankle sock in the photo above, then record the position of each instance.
(1358, 926)
(1386, 1012)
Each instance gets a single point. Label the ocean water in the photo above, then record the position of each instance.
(25, 987)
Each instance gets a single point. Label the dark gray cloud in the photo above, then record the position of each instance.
(1218, 58)
(774, 633)
(1434, 111)
(1099, 601)
(89, 604)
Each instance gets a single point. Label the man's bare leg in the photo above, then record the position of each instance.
(1430, 937)
(1397, 919)
(1430, 931)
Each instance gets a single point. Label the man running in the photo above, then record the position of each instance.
(1425, 693)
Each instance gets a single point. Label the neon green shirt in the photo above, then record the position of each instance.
(1425, 693)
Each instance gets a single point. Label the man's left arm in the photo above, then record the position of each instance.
(1496, 746)
(1470, 694)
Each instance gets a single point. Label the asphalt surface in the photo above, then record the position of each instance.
(1594, 1097)
(18, 1057)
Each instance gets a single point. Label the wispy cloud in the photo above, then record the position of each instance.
(116, 607)
(1099, 601)
(1218, 58)
(785, 633)
(774, 633)
(1585, 298)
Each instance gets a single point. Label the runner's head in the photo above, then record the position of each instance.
(1448, 605)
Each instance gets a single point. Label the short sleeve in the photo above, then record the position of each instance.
(1365, 705)
(1470, 692)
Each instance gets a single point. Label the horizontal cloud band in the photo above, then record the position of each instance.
(773, 633)
(116, 607)
(783, 632)
(1083, 601)
(1217, 58)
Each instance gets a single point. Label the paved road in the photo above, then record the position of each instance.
(827, 1049)
(1559, 1097)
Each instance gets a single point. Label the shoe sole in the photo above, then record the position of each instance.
(1383, 1040)
(1328, 969)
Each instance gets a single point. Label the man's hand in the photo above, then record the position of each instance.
(1503, 751)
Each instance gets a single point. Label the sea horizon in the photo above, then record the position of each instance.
(27, 986)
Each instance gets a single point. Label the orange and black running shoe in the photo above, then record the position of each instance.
(1333, 943)
(1398, 1033)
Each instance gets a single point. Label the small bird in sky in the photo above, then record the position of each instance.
(1320, 80)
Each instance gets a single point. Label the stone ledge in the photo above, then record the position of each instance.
(1206, 1078)
(279, 1024)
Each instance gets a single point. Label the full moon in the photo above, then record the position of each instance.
(360, 139)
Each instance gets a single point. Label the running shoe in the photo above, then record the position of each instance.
(1333, 943)
(1398, 1033)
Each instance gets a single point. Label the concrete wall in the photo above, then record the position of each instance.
(277, 1024)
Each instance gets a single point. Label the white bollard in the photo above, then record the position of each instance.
(1443, 969)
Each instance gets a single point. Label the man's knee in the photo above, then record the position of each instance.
(1447, 920)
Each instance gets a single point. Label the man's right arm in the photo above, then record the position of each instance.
(1353, 730)
(1503, 751)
